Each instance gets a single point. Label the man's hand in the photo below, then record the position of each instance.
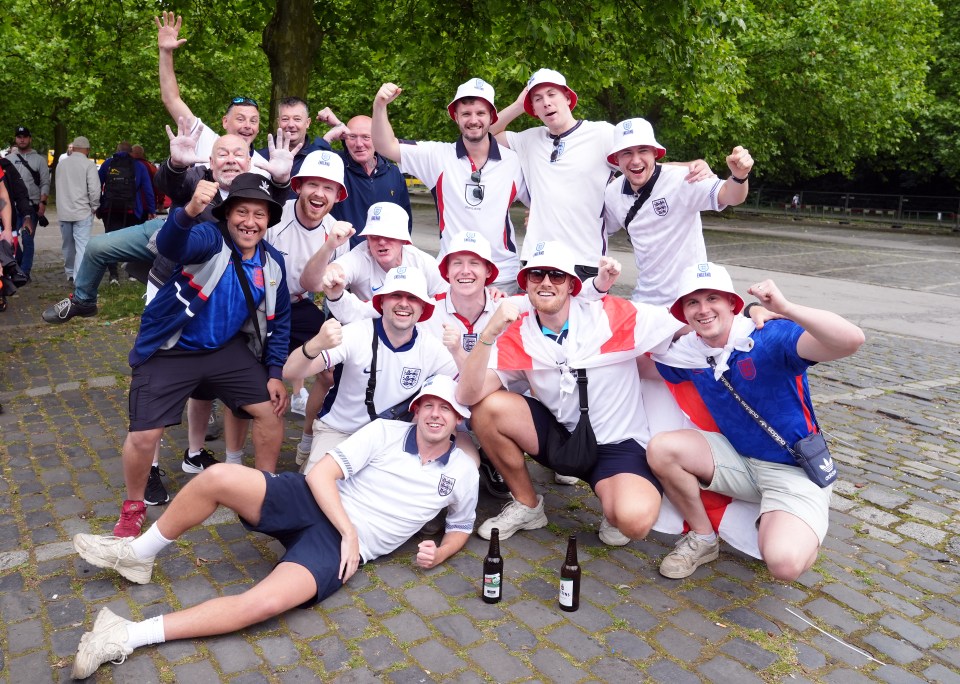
(698, 170)
(183, 145)
(740, 162)
(427, 554)
(349, 556)
(334, 283)
(451, 337)
(168, 31)
(28, 226)
(608, 273)
(521, 98)
(388, 93)
(281, 155)
(340, 234)
(506, 313)
(278, 396)
(202, 196)
(7, 236)
(768, 294)
(327, 116)
(330, 335)
(760, 315)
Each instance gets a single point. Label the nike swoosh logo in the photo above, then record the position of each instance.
(374, 289)
(367, 370)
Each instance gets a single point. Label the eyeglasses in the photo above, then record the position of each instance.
(556, 149)
(240, 100)
(536, 275)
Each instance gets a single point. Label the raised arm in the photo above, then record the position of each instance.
(740, 164)
(476, 379)
(313, 271)
(168, 40)
(384, 140)
(505, 116)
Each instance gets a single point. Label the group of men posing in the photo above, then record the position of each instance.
(252, 238)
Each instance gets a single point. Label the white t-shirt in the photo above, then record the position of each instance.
(566, 196)
(298, 244)
(445, 168)
(666, 233)
(400, 373)
(205, 147)
(389, 495)
(444, 313)
(364, 275)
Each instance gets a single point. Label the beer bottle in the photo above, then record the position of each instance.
(493, 570)
(570, 578)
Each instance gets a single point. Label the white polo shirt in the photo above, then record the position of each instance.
(298, 244)
(444, 313)
(400, 372)
(364, 275)
(389, 495)
(205, 147)
(445, 168)
(666, 233)
(566, 196)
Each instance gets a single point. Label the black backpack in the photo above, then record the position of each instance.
(120, 187)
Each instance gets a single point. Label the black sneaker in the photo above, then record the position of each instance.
(156, 493)
(198, 463)
(492, 480)
(65, 309)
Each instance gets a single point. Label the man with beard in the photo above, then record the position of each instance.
(473, 180)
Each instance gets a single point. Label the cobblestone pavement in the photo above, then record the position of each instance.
(881, 604)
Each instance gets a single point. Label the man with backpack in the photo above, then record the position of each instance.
(33, 170)
(127, 194)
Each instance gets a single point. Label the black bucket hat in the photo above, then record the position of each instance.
(250, 186)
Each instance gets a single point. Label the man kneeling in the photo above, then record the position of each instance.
(365, 498)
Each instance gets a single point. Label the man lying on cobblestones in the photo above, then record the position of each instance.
(767, 367)
(363, 500)
(542, 351)
(219, 326)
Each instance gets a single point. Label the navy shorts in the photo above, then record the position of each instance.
(305, 321)
(627, 456)
(160, 387)
(291, 515)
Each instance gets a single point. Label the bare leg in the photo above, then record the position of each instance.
(630, 503)
(468, 447)
(234, 431)
(238, 488)
(504, 426)
(788, 545)
(267, 435)
(318, 392)
(682, 459)
(138, 451)
(198, 415)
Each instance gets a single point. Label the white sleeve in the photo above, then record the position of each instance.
(422, 159)
(350, 308)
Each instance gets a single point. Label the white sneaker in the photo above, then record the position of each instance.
(610, 535)
(565, 479)
(114, 553)
(302, 455)
(298, 404)
(688, 555)
(106, 642)
(513, 517)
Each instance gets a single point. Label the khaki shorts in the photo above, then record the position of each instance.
(775, 486)
(325, 438)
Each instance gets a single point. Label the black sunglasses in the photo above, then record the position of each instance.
(240, 100)
(556, 149)
(536, 275)
(477, 190)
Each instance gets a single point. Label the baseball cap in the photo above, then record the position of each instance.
(443, 387)
(633, 132)
(249, 186)
(542, 76)
(475, 87)
(386, 219)
(81, 142)
(551, 255)
(407, 279)
(706, 276)
(321, 164)
(23, 131)
(473, 243)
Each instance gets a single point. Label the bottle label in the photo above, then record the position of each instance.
(491, 585)
(566, 592)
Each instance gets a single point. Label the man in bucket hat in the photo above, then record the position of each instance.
(473, 180)
(405, 359)
(767, 368)
(198, 333)
(364, 499)
(542, 351)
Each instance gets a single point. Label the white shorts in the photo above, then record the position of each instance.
(325, 438)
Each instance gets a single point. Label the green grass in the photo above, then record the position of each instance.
(120, 301)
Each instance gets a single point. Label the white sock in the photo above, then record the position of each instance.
(156, 463)
(306, 442)
(234, 457)
(191, 453)
(709, 538)
(150, 543)
(146, 632)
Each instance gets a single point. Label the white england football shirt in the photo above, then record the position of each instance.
(298, 244)
(364, 275)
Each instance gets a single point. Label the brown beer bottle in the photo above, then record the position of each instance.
(493, 570)
(570, 578)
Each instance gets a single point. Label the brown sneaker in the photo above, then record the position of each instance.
(688, 555)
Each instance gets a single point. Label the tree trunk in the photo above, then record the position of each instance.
(291, 41)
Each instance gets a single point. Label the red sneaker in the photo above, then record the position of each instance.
(132, 515)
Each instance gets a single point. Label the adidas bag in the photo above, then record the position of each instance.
(812, 455)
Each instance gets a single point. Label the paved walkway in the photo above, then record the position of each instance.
(880, 605)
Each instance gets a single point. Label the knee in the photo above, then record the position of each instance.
(635, 519)
(96, 245)
(659, 452)
(143, 441)
(787, 563)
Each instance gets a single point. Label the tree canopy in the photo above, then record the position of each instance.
(810, 86)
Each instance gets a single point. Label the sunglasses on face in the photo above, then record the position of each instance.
(536, 275)
(240, 100)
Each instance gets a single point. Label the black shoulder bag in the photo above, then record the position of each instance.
(642, 197)
(399, 411)
(574, 453)
(235, 259)
(810, 452)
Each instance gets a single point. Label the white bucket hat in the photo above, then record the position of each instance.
(706, 276)
(475, 87)
(551, 255)
(473, 243)
(542, 76)
(407, 279)
(443, 387)
(386, 219)
(633, 132)
(321, 164)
